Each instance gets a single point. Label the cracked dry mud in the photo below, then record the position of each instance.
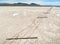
(19, 22)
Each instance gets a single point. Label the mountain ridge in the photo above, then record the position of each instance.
(26, 4)
(19, 4)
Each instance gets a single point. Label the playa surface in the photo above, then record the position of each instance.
(21, 22)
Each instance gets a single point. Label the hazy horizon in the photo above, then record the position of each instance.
(41, 2)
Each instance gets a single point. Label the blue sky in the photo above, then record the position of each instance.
(42, 2)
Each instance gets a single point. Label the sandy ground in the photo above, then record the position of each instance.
(17, 22)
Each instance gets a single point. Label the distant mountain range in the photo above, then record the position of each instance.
(25, 4)
(18, 4)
